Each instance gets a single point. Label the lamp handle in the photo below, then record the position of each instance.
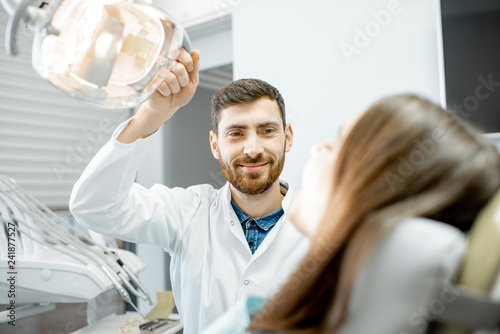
(186, 42)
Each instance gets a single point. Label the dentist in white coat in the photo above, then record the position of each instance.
(225, 243)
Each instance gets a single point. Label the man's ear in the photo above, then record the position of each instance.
(213, 145)
(288, 137)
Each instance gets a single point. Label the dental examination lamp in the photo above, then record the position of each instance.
(109, 53)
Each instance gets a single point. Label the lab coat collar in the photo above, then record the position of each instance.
(231, 219)
(229, 212)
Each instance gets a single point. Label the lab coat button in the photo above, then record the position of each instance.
(46, 274)
(246, 282)
(232, 223)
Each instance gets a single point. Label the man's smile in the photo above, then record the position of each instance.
(253, 168)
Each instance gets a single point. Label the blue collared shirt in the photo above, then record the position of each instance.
(256, 229)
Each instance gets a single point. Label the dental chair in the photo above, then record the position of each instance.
(477, 308)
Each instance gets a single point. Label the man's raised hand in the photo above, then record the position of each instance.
(175, 92)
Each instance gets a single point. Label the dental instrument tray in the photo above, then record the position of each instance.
(159, 325)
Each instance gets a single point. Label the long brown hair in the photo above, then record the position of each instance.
(404, 157)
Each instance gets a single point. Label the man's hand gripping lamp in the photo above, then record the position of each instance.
(109, 53)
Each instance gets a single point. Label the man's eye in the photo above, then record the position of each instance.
(234, 134)
(268, 131)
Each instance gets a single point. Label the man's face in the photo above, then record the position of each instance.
(251, 145)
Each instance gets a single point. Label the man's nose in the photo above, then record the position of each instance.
(253, 146)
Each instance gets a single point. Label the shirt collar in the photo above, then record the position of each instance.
(226, 198)
(264, 222)
(242, 216)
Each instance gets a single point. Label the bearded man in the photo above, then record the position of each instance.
(226, 244)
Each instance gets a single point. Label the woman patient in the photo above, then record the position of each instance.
(384, 204)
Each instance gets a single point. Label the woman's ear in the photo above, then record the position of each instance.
(288, 137)
(213, 145)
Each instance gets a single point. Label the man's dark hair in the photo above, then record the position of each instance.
(244, 91)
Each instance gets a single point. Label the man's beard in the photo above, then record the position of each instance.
(253, 183)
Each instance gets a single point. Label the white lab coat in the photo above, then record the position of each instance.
(212, 266)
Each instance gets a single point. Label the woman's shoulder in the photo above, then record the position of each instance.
(431, 230)
(418, 248)
(423, 238)
(405, 272)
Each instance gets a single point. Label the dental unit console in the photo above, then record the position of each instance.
(51, 261)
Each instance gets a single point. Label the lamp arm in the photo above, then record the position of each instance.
(10, 6)
(34, 18)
